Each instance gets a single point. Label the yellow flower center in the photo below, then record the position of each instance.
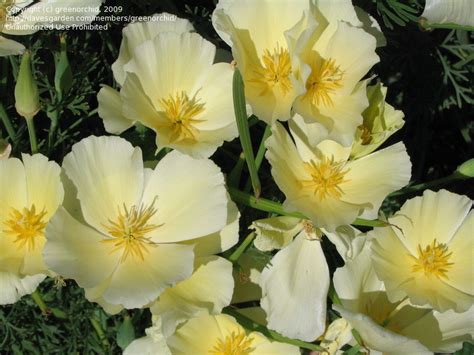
(233, 344)
(433, 260)
(324, 79)
(26, 226)
(275, 71)
(181, 111)
(326, 176)
(129, 231)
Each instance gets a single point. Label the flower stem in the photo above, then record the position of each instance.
(6, 122)
(100, 332)
(39, 301)
(32, 133)
(275, 207)
(252, 326)
(242, 247)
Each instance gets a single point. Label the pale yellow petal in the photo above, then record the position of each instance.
(222, 240)
(380, 339)
(108, 174)
(43, 182)
(10, 47)
(459, 12)
(13, 287)
(13, 187)
(433, 215)
(136, 282)
(370, 179)
(110, 110)
(297, 275)
(76, 251)
(207, 291)
(191, 199)
(287, 166)
(136, 33)
(461, 275)
(275, 232)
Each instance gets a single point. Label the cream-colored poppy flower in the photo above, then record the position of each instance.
(261, 36)
(320, 180)
(221, 334)
(189, 298)
(395, 328)
(426, 252)
(134, 34)
(381, 120)
(31, 192)
(189, 107)
(23, 17)
(335, 96)
(125, 242)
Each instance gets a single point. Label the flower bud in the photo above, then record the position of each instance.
(466, 169)
(27, 102)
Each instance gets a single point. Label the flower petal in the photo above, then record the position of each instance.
(207, 291)
(298, 275)
(110, 110)
(13, 287)
(76, 251)
(108, 174)
(370, 179)
(190, 198)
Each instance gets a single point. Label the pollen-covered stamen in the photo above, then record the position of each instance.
(128, 232)
(234, 344)
(26, 226)
(324, 79)
(326, 176)
(181, 111)
(275, 70)
(433, 260)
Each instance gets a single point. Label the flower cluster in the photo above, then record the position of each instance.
(133, 236)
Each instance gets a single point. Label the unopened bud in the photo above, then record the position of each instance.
(27, 102)
(466, 169)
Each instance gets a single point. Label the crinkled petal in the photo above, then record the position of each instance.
(207, 291)
(110, 110)
(13, 287)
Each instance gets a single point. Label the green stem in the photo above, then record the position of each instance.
(252, 326)
(32, 133)
(240, 110)
(429, 185)
(100, 332)
(39, 301)
(242, 247)
(275, 207)
(6, 122)
(260, 155)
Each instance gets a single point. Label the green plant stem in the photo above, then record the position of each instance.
(252, 326)
(260, 155)
(100, 332)
(275, 207)
(6, 122)
(242, 120)
(32, 133)
(242, 247)
(39, 301)
(429, 185)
